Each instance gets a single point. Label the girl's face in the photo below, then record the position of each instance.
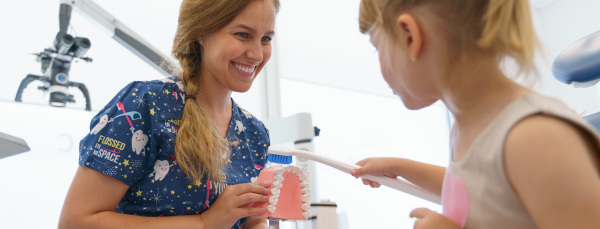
(233, 56)
(402, 74)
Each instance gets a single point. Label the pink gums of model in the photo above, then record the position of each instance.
(290, 193)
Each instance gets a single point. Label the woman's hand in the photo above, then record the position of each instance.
(429, 219)
(378, 166)
(230, 206)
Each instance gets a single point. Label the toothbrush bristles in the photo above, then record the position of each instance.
(280, 159)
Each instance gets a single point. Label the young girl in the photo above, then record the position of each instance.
(518, 159)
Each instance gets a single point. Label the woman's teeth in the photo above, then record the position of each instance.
(244, 69)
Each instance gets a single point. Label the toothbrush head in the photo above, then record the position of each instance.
(280, 155)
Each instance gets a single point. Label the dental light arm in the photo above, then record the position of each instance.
(56, 61)
(122, 34)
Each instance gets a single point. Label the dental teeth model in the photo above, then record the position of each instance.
(290, 193)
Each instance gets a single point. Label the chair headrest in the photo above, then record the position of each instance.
(579, 63)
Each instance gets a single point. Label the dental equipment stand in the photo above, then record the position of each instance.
(579, 65)
(299, 130)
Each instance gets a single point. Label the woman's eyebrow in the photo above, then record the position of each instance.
(251, 30)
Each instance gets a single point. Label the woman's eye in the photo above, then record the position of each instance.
(266, 39)
(242, 35)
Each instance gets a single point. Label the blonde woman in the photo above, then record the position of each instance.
(179, 152)
(518, 159)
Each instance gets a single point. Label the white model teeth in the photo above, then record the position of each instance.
(306, 214)
(243, 69)
(278, 183)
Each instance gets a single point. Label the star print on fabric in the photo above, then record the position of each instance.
(157, 184)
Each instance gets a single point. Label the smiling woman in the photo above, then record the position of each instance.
(198, 169)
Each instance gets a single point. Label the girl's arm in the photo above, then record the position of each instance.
(427, 176)
(94, 196)
(554, 168)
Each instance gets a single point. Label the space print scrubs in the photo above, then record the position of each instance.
(132, 139)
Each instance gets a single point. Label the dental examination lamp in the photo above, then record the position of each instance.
(579, 65)
(56, 61)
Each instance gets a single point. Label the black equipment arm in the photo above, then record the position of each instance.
(86, 94)
(26, 81)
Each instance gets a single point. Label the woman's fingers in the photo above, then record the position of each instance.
(258, 188)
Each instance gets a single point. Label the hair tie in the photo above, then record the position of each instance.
(190, 97)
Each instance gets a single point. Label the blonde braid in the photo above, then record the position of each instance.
(199, 148)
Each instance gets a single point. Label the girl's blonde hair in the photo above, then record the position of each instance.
(199, 148)
(498, 27)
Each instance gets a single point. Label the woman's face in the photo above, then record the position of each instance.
(233, 56)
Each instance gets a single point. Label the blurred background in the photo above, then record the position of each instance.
(323, 65)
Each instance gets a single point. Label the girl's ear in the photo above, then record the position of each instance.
(411, 35)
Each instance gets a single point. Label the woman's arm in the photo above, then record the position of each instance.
(94, 196)
(554, 168)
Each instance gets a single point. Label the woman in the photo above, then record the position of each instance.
(181, 148)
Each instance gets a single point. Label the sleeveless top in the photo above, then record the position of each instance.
(476, 192)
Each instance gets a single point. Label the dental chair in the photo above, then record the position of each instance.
(579, 65)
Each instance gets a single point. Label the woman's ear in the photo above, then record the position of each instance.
(411, 35)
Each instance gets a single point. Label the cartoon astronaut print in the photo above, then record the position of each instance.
(246, 114)
(101, 124)
(138, 142)
(239, 126)
(161, 168)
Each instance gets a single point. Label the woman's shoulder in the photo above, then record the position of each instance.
(249, 120)
(159, 85)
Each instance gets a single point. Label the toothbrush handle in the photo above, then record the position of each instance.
(395, 183)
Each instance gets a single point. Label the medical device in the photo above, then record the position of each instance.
(579, 65)
(56, 61)
(299, 130)
(11, 145)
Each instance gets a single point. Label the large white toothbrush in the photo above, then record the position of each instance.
(395, 183)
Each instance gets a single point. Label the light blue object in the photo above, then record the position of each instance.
(594, 119)
(579, 64)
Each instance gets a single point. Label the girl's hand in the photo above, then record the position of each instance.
(378, 166)
(429, 219)
(230, 206)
